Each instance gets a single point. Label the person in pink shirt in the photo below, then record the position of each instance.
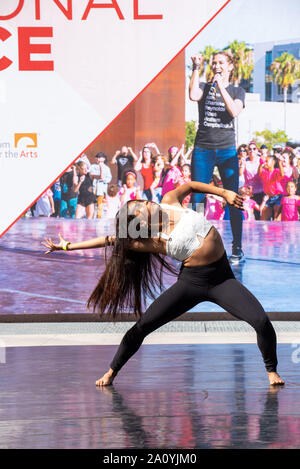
(186, 177)
(271, 178)
(169, 177)
(251, 175)
(290, 204)
(285, 161)
(178, 157)
(249, 204)
(214, 209)
(264, 152)
(129, 190)
(242, 153)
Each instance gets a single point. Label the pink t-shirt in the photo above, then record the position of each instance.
(249, 205)
(171, 180)
(288, 176)
(130, 194)
(251, 176)
(214, 209)
(271, 181)
(289, 211)
(181, 181)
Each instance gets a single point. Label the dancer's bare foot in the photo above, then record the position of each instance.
(275, 379)
(107, 378)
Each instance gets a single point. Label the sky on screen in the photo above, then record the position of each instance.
(251, 21)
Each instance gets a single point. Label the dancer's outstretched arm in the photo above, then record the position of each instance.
(64, 245)
(178, 194)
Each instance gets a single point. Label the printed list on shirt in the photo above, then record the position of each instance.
(212, 110)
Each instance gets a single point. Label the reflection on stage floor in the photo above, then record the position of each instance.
(166, 396)
(60, 283)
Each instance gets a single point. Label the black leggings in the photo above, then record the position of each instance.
(216, 283)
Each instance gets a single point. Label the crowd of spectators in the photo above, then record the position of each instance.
(86, 189)
(268, 180)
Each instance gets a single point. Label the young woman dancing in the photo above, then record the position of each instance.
(145, 233)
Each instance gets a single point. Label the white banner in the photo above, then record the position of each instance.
(67, 69)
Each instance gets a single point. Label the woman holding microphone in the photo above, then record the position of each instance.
(219, 102)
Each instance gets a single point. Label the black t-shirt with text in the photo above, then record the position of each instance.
(124, 162)
(216, 125)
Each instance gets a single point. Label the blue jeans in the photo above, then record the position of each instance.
(68, 208)
(147, 194)
(203, 163)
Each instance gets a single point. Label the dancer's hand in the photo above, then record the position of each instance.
(234, 199)
(54, 247)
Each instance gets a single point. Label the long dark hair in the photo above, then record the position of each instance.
(130, 276)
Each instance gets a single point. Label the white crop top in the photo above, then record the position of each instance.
(183, 240)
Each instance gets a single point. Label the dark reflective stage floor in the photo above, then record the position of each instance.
(60, 283)
(167, 396)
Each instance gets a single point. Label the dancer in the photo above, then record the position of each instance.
(219, 103)
(144, 232)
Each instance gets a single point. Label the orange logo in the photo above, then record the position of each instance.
(32, 137)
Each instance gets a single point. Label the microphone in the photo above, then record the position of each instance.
(213, 86)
